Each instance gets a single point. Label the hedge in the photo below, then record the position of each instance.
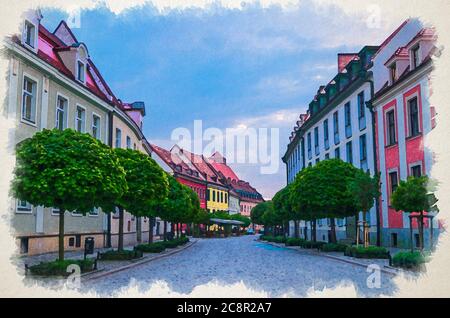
(409, 260)
(157, 247)
(275, 239)
(114, 255)
(59, 268)
(333, 247)
(311, 244)
(294, 241)
(369, 252)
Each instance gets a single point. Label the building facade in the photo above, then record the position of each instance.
(53, 83)
(404, 118)
(337, 125)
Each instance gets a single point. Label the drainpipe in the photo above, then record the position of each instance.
(375, 163)
(110, 141)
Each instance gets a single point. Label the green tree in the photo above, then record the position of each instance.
(67, 170)
(147, 184)
(415, 195)
(256, 214)
(283, 208)
(322, 191)
(171, 209)
(366, 190)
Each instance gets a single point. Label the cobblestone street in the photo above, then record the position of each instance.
(259, 266)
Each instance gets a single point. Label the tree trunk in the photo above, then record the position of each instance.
(121, 215)
(138, 229)
(151, 225)
(165, 231)
(286, 229)
(314, 233)
(296, 231)
(333, 238)
(306, 232)
(61, 235)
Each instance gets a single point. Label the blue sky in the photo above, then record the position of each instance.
(255, 66)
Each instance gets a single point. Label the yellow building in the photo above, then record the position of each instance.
(217, 198)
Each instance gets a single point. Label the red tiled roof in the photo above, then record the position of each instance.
(176, 163)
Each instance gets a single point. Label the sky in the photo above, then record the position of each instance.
(252, 65)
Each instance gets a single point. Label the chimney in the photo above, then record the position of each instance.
(344, 59)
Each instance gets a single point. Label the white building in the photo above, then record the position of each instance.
(337, 125)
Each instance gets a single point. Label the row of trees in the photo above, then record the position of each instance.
(72, 171)
(335, 189)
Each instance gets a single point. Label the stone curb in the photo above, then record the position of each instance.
(145, 260)
(385, 270)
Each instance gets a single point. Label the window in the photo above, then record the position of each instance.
(327, 156)
(336, 127)
(128, 142)
(80, 71)
(416, 171)
(337, 153)
(71, 241)
(348, 120)
(23, 206)
(226, 197)
(96, 126)
(363, 151)
(349, 152)
(61, 113)
(340, 222)
(118, 138)
(393, 180)
(134, 146)
(309, 145)
(361, 111)
(316, 140)
(29, 100)
(413, 113)
(393, 72)
(415, 56)
(326, 134)
(30, 31)
(417, 240)
(80, 119)
(390, 118)
(214, 195)
(317, 160)
(93, 212)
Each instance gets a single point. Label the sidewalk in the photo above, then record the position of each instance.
(103, 267)
(383, 263)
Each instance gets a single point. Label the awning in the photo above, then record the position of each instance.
(222, 221)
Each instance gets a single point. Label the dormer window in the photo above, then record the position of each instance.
(81, 70)
(393, 72)
(415, 56)
(29, 36)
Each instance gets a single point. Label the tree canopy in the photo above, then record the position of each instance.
(67, 170)
(414, 195)
(256, 214)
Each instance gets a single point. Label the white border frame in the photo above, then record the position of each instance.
(419, 112)
(386, 128)
(36, 35)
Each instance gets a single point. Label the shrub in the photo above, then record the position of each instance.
(294, 241)
(59, 268)
(151, 248)
(279, 239)
(369, 252)
(175, 242)
(311, 244)
(334, 247)
(114, 255)
(409, 260)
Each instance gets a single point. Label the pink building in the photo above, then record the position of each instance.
(404, 117)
